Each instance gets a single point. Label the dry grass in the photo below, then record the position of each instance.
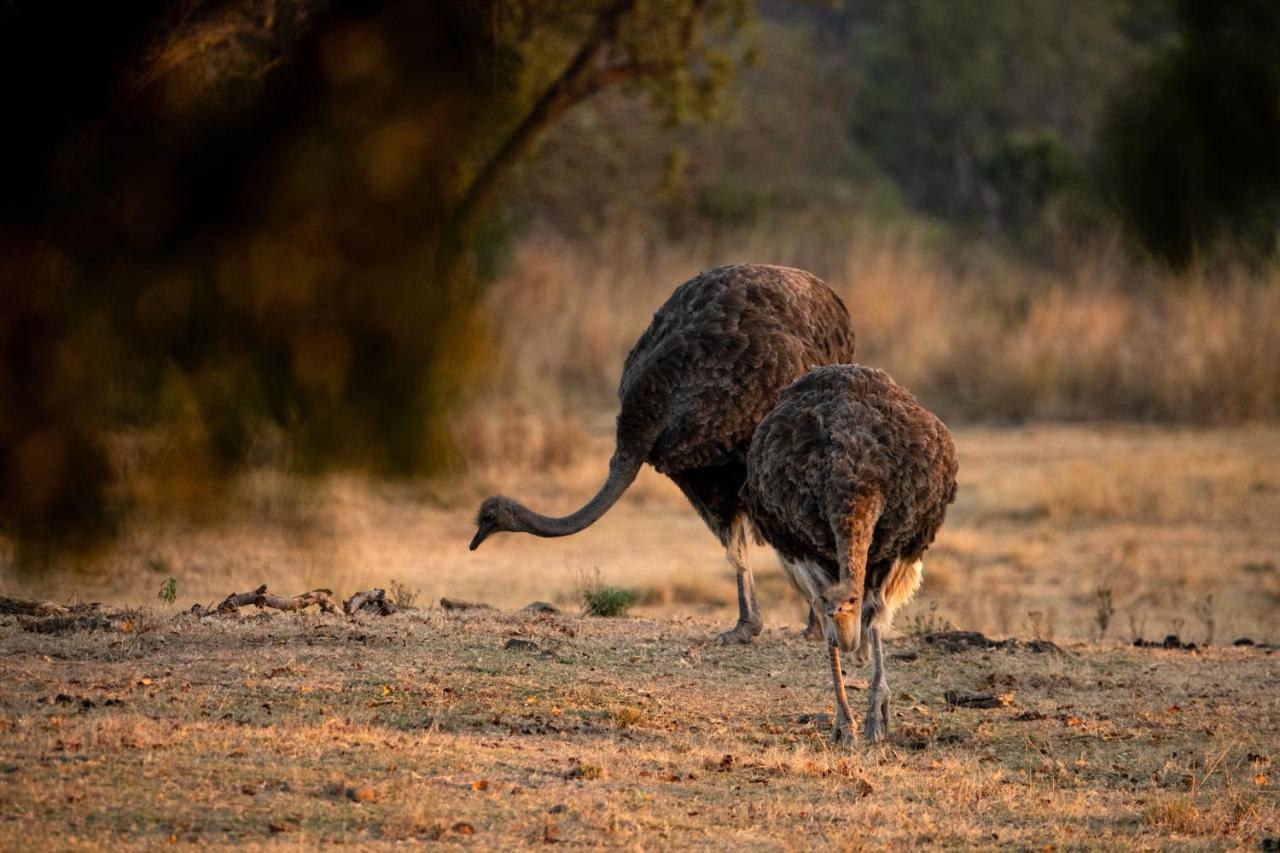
(1047, 515)
(637, 731)
(1108, 341)
(303, 729)
(634, 731)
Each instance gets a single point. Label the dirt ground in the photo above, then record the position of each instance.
(638, 731)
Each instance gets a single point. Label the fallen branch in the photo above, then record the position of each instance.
(973, 699)
(461, 604)
(369, 599)
(48, 618)
(29, 607)
(236, 600)
(323, 598)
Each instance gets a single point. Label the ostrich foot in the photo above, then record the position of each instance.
(743, 632)
(877, 725)
(842, 731)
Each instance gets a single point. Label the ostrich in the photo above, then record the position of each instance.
(849, 479)
(694, 387)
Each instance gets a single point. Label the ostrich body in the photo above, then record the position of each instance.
(849, 479)
(709, 367)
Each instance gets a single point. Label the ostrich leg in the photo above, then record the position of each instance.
(877, 725)
(813, 630)
(842, 732)
(749, 622)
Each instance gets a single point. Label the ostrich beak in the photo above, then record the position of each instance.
(845, 619)
(481, 534)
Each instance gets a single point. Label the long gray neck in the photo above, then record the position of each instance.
(622, 472)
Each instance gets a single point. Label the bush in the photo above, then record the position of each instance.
(599, 599)
(608, 601)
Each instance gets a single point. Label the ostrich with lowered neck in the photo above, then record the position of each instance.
(710, 366)
(849, 479)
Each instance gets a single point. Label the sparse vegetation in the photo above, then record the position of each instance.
(988, 343)
(418, 726)
(403, 595)
(607, 600)
(168, 591)
(1205, 613)
(925, 620)
(601, 599)
(1104, 609)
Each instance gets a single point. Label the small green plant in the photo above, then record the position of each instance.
(608, 600)
(168, 591)
(600, 599)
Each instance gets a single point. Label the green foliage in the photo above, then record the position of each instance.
(984, 117)
(600, 599)
(979, 117)
(168, 591)
(608, 601)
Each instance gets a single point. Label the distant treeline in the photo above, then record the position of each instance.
(1036, 123)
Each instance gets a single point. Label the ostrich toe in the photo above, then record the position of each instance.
(743, 632)
(876, 728)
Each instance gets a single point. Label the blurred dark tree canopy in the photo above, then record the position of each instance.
(228, 221)
(1191, 148)
(239, 229)
(1034, 123)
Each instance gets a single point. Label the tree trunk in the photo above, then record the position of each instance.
(574, 83)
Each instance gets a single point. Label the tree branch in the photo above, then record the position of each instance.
(568, 89)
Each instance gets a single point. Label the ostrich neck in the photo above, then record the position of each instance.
(621, 474)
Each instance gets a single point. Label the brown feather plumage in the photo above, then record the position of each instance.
(849, 479)
(709, 367)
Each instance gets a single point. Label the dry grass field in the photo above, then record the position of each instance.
(638, 731)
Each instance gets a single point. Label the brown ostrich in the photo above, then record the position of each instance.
(849, 479)
(694, 387)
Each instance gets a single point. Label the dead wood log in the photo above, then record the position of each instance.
(974, 699)
(78, 617)
(322, 598)
(30, 607)
(460, 604)
(236, 600)
(369, 599)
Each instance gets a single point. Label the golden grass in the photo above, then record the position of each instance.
(1177, 525)
(1108, 340)
(636, 731)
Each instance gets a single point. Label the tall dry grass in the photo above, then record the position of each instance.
(1107, 340)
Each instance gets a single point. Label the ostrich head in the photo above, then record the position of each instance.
(495, 514)
(843, 603)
